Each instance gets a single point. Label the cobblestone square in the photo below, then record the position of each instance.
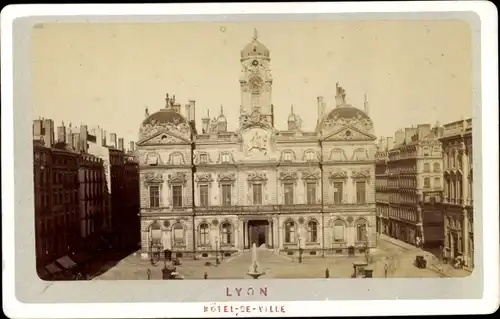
(398, 257)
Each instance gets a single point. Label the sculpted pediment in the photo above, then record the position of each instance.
(257, 177)
(361, 174)
(177, 178)
(204, 178)
(349, 133)
(153, 178)
(288, 176)
(226, 177)
(338, 175)
(310, 175)
(164, 138)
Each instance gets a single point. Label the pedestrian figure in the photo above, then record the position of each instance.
(205, 276)
(327, 273)
(149, 274)
(386, 268)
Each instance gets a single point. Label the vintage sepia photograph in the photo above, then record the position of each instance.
(253, 150)
(249, 159)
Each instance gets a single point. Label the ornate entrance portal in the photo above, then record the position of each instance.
(258, 233)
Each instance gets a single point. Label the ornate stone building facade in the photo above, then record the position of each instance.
(458, 191)
(407, 169)
(220, 190)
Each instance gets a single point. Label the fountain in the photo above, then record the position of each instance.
(255, 271)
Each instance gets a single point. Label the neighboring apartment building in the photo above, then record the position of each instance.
(413, 167)
(71, 189)
(458, 191)
(203, 192)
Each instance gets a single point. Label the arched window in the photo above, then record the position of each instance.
(338, 231)
(361, 230)
(177, 159)
(203, 158)
(360, 154)
(312, 231)
(225, 158)
(287, 156)
(152, 159)
(178, 233)
(226, 233)
(203, 236)
(310, 156)
(289, 232)
(155, 233)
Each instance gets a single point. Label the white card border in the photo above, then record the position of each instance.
(489, 79)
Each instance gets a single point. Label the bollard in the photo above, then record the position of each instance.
(149, 274)
(327, 273)
(205, 276)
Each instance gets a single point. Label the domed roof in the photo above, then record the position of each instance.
(255, 48)
(347, 112)
(164, 116)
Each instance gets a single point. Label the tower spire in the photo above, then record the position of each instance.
(255, 34)
(221, 110)
(366, 105)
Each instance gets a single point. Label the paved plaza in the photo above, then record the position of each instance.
(399, 258)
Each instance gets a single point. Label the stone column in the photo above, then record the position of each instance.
(269, 234)
(245, 234)
(465, 236)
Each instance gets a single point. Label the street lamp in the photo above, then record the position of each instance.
(300, 249)
(217, 251)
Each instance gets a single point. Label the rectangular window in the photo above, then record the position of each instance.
(177, 195)
(311, 193)
(360, 192)
(288, 193)
(437, 182)
(338, 190)
(226, 194)
(427, 182)
(203, 195)
(257, 194)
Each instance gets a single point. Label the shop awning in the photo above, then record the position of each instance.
(66, 262)
(52, 268)
(81, 257)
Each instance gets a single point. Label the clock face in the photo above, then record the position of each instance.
(255, 83)
(255, 63)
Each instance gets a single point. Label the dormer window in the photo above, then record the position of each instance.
(225, 158)
(287, 156)
(310, 156)
(203, 159)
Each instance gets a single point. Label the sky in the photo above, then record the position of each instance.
(107, 74)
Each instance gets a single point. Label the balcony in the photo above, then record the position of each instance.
(256, 209)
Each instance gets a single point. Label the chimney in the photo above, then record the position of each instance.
(75, 141)
(48, 132)
(132, 146)
(399, 137)
(84, 146)
(409, 133)
(192, 114)
(37, 129)
(205, 122)
(390, 143)
(176, 108)
(112, 138)
(423, 130)
(104, 138)
(187, 114)
(120, 144)
(321, 108)
(367, 106)
(61, 134)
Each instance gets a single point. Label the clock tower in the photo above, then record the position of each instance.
(256, 80)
